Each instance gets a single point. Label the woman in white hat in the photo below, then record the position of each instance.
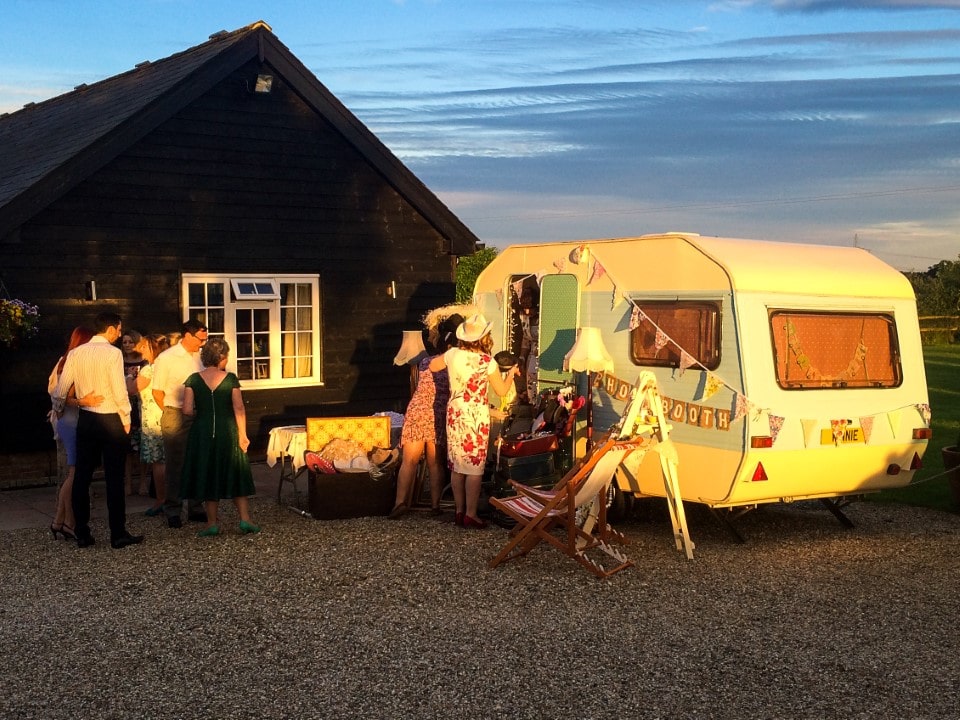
(472, 370)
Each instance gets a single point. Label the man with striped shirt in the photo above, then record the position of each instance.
(102, 430)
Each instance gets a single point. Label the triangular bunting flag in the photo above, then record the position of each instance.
(575, 254)
(660, 340)
(712, 387)
(776, 424)
(560, 264)
(809, 428)
(517, 288)
(924, 410)
(539, 276)
(838, 427)
(740, 407)
(635, 317)
(598, 272)
(866, 424)
(499, 294)
(686, 361)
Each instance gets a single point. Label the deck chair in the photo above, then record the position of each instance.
(554, 516)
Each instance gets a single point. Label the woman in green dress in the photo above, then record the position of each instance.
(216, 466)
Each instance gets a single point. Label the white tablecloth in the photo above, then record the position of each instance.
(287, 441)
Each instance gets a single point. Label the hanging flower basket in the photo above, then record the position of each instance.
(18, 321)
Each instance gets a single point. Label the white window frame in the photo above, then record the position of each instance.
(256, 292)
(234, 301)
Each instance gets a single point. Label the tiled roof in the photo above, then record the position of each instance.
(47, 147)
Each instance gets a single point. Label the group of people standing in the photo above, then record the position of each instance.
(450, 413)
(192, 435)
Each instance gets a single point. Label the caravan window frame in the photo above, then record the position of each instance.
(702, 339)
(834, 359)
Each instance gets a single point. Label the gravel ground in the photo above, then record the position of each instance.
(391, 619)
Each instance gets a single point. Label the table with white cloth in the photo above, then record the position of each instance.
(286, 446)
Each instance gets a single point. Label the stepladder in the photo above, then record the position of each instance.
(644, 419)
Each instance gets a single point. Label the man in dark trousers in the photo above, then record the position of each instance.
(103, 430)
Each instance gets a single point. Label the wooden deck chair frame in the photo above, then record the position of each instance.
(540, 513)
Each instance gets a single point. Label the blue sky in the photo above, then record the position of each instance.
(818, 121)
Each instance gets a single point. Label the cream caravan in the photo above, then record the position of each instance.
(787, 371)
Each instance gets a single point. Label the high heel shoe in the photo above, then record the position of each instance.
(67, 532)
(473, 523)
(56, 530)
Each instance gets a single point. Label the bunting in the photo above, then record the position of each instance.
(924, 410)
(837, 428)
(598, 272)
(635, 317)
(560, 264)
(776, 423)
(809, 430)
(712, 386)
(686, 361)
(499, 296)
(866, 424)
(661, 340)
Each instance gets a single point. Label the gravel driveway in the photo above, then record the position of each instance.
(395, 619)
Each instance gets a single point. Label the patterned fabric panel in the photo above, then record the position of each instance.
(370, 432)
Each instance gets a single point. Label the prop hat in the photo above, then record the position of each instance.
(505, 360)
(473, 328)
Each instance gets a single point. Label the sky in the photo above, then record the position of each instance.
(815, 121)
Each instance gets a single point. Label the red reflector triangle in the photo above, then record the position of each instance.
(916, 464)
(759, 473)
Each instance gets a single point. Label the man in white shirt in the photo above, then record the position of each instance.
(171, 368)
(102, 430)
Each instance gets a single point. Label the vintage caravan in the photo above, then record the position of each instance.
(787, 371)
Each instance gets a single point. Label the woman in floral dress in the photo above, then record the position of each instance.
(472, 370)
(151, 437)
(425, 426)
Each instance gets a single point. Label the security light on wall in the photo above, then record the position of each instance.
(264, 83)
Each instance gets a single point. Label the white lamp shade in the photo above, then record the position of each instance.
(411, 349)
(588, 353)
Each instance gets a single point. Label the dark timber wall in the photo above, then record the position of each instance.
(235, 182)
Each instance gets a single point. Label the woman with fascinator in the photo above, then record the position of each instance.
(472, 371)
(424, 423)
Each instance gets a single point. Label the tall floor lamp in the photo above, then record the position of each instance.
(588, 355)
(411, 353)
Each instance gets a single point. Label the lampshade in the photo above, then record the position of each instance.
(411, 349)
(588, 353)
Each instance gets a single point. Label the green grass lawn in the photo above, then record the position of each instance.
(943, 382)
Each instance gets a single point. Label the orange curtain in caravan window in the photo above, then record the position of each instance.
(838, 350)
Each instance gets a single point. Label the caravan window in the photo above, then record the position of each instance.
(667, 328)
(837, 350)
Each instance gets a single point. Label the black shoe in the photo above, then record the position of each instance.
(85, 541)
(174, 522)
(124, 540)
(197, 517)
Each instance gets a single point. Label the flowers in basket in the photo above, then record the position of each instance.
(18, 321)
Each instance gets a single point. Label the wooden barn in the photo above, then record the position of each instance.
(227, 183)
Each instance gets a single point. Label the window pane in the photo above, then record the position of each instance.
(244, 321)
(837, 350)
(245, 369)
(666, 328)
(215, 294)
(261, 320)
(215, 321)
(264, 288)
(246, 288)
(195, 294)
(304, 318)
(303, 294)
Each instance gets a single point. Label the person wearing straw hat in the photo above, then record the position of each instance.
(471, 370)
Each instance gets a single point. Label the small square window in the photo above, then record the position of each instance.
(255, 289)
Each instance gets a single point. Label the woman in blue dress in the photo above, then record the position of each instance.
(216, 466)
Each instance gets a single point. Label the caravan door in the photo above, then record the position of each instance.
(559, 319)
